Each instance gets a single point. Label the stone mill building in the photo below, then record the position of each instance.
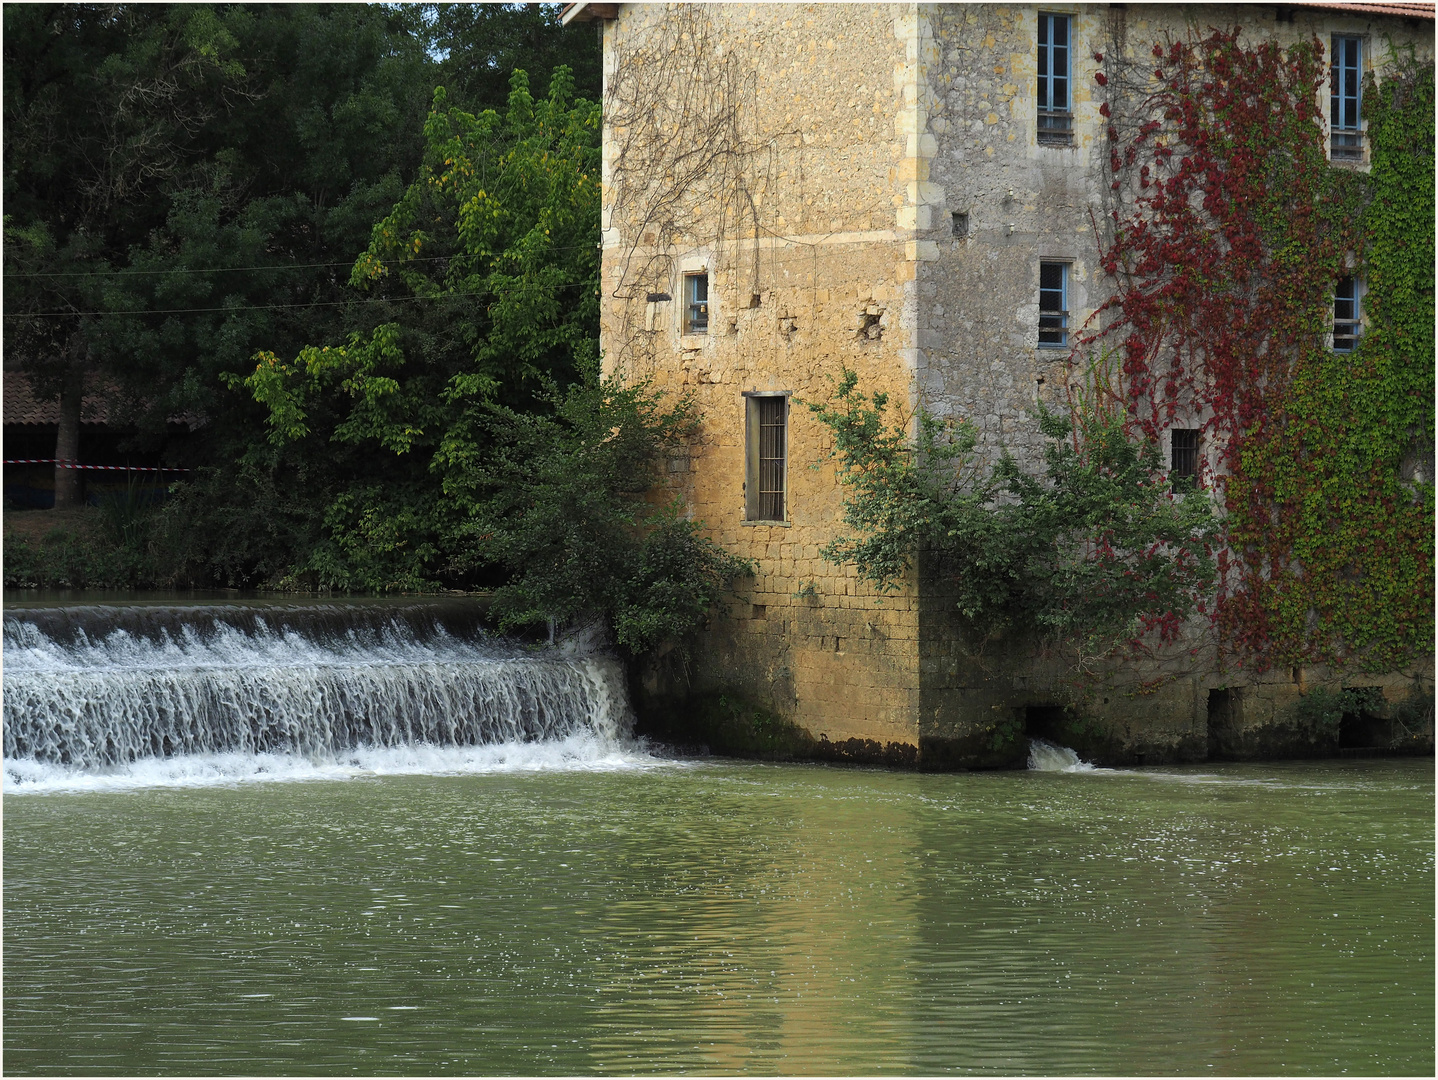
(908, 191)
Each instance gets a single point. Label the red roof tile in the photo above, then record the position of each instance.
(23, 406)
(1405, 9)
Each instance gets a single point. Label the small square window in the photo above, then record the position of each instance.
(961, 225)
(1053, 304)
(1347, 315)
(1183, 458)
(1055, 115)
(1345, 120)
(766, 449)
(696, 303)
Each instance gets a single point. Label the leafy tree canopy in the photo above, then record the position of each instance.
(1096, 553)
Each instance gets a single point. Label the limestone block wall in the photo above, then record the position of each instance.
(809, 161)
(1020, 202)
(771, 148)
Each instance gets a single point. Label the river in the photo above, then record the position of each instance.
(573, 902)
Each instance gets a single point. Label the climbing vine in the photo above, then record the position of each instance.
(1227, 233)
(672, 194)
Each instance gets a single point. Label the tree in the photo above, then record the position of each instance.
(185, 185)
(480, 45)
(483, 277)
(103, 106)
(562, 501)
(1095, 554)
(487, 379)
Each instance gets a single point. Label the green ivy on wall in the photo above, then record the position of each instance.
(1225, 262)
(1360, 525)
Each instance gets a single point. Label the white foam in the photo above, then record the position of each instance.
(203, 703)
(1047, 757)
(577, 753)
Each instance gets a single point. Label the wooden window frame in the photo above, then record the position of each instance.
(1347, 325)
(1185, 449)
(1345, 110)
(1058, 317)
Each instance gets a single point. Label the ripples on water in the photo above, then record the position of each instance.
(483, 874)
(721, 917)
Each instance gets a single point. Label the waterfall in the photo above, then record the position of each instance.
(117, 696)
(1046, 757)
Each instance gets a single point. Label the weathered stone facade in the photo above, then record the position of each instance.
(865, 186)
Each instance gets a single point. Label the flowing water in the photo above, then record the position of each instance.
(129, 695)
(427, 876)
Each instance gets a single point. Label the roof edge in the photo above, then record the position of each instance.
(583, 11)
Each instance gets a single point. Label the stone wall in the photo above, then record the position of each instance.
(810, 159)
(796, 210)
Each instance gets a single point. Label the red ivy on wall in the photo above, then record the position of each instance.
(1228, 231)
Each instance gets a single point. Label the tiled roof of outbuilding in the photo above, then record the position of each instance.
(23, 406)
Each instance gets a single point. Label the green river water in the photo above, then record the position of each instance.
(722, 917)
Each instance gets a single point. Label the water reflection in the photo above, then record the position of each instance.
(729, 918)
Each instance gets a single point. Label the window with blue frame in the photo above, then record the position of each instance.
(696, 303)
(1053, 304)
(1346, 113)
(1055, 113)
(1347, 315)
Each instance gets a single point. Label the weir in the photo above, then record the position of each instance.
(97, 690)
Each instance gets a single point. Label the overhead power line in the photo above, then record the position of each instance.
(124, 273)
(264, 307)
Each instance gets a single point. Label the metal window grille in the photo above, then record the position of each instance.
(696, 303)
(766, 449)
(1053, 303)
(1346, 111)
(1183, 460)
(771, 457)
(1347, 324)
(1055, 118)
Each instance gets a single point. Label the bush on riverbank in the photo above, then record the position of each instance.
(78, 549)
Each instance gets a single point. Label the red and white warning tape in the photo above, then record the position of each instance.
(70, 463)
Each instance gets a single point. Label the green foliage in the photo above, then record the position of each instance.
(561, 501)
(498, 235)
(478, 45)
(487, 266)
(1096, 552)
(1223, 302)
(187, 185)
(538, 473)
(128, 514)
(1324, 710)
(79, 556)
(1354, 524)
(375, 541)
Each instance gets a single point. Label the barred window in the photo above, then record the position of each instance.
(1346, 103)
(1183, 458)
(767, 446)
(1055, 118)
(1347, 315)
(696, 303)
(1053, 304)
